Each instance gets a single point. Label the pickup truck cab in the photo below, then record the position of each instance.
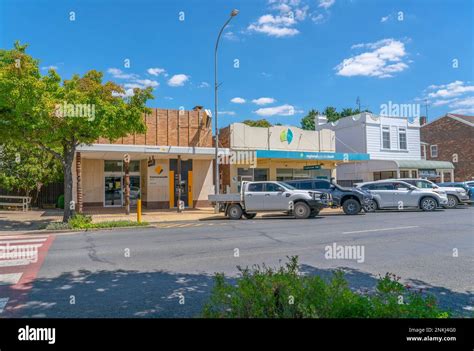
(352, 200)
(270, 196)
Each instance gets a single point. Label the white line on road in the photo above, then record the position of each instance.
(22, 241)
(14, 263)
(381, 229)
(3, 303)
(10, 278)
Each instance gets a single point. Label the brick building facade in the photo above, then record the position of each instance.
(451, 138)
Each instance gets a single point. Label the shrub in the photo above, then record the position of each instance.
(264, 292)
(80, 221)
(57, 226)
(60, 202)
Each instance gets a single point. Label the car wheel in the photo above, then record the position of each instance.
(370, 206)
(351, 207)
(452, 201)
(428, 204)
(250, 215)
(234, 211)
(301, 210)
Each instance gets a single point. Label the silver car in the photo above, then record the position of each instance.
(455, 195)
(395, 194)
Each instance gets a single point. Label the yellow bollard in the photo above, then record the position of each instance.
(139, 210)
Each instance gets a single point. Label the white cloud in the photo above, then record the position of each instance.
(47, 68)
(263, 101)
(228, 113)
(142, 84)
(127, 93)
(238, 100)
(384, 18)
(384, 58)
(203, 85)
(283, 110)
(119, 74)
(156, 71)
(453, 89)
(178, 80)
(273, 30)
(326, 3)
(230, 36)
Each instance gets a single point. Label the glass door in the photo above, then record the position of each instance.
(113, 191)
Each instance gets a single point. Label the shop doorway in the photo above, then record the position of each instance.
(113, 196)
(186, 182)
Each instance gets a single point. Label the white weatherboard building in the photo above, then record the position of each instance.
(393, 144)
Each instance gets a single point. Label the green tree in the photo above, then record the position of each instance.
(257, 123)
(27, 168)
(308, 121)
(49, 113)
(331, 114)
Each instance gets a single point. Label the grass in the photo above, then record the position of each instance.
(85, 222)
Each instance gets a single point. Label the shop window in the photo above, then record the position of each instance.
(260, 174)
(284, 174)
(385, 175)
(117, 166)
(404, 174)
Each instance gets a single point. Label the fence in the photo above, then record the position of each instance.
(48, 194)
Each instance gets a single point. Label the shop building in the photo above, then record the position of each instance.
(279, 153)
(393, 144)
(176, 142)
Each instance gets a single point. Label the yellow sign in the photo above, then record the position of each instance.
(158, 169)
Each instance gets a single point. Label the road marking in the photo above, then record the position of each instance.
(381, 229)
(14, 263)
(3, 303)
(10, 278)
(22, 241)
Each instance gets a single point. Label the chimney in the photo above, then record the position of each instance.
(422, 120)
(197, 108)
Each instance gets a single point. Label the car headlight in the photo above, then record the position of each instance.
(460, 191)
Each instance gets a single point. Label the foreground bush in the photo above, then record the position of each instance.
(264, 292)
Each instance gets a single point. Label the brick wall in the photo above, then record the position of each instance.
(452, 137)
(171, 128)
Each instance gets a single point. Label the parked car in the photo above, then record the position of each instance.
(270, 197)
(352, 200)
(464, 185)
(455, 195)
(395, 194)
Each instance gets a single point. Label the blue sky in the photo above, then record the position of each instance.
(293, 55)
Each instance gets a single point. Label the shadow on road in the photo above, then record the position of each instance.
(118, 294)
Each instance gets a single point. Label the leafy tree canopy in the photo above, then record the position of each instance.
(258, 123)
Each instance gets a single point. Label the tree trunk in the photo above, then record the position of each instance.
(69, 205)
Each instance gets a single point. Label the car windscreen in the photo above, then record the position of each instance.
(288, 186)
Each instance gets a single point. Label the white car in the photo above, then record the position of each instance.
(396, 194)
(455, 195)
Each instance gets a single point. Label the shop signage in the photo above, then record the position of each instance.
(427, 173)
(309, 168)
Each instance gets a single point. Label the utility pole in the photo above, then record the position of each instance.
(358, 104)
(179, 184)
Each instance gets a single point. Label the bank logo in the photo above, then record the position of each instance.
(158, 169)
(286, 135)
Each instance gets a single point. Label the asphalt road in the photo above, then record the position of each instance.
(147, 272)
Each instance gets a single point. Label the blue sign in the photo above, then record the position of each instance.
(303, 155)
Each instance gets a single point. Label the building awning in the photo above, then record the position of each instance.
(116, 151)
(308, 156)
(424, 164)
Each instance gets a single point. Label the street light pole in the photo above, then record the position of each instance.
(216, 87)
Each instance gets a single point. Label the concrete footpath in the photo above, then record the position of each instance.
(18, 222)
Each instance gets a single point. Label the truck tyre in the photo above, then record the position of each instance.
(234, 211)
(452, 201)
(301, 210)
(428, 204)
(250, 215)
(351, 207)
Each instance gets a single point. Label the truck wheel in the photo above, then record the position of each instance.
(301, 210)
(234, 211)
(250, 215)
(351, 207)
(452, 201)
